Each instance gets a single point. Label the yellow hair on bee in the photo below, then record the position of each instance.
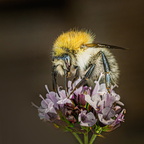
(58, 51)
(72, 40)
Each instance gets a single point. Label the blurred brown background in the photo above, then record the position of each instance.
(27, 32)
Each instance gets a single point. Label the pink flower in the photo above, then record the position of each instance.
(85, 106)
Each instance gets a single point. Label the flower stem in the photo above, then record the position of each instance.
(92, 138)
(77, 137)
(86, 138)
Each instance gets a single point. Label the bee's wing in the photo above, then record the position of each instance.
(99, 45)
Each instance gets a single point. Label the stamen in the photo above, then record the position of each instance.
(46, 87)
(43, 99)
(34, 105)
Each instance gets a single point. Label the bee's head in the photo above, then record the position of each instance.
(65, 48)
(63, 63)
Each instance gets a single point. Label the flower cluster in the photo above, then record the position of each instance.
(86, 108)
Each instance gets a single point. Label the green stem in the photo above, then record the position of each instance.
(77, 137)
(86, 138)
(92, 138)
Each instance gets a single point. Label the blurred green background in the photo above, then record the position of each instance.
(27, 32)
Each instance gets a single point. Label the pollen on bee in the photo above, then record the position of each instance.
(72, 40)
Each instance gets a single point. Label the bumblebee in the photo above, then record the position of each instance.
(75, 54)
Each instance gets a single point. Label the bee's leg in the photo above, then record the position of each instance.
(85, 78)
(54, 81)
(66, 81)
(107, 71)
(76, 76)
(89, 71)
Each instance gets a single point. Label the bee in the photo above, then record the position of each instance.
(75, 54)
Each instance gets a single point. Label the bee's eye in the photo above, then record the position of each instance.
(67, 59)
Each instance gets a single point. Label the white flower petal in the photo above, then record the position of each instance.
(89, 100)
